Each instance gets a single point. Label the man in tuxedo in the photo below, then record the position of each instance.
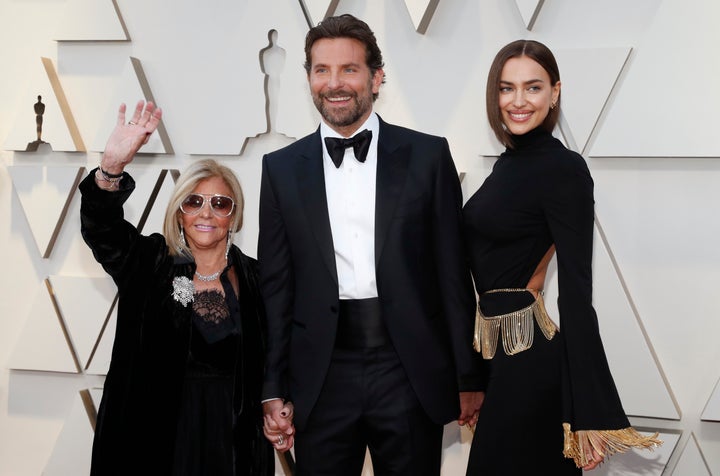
(369, 301)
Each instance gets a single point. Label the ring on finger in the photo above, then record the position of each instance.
(131, 123)
(281, 440)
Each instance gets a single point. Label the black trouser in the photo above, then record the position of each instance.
(367, 402)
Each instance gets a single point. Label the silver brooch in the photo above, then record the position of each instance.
(183, 290)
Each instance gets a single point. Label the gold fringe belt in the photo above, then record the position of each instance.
(579, 444)
(515, 328)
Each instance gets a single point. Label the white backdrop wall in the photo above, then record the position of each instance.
(639, 97)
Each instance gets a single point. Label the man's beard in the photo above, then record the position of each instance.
(346, 116)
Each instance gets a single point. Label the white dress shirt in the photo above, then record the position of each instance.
(350, 193)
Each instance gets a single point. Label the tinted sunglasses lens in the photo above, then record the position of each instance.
(192, 203)
(222, 205)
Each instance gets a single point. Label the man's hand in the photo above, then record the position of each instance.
(470, 403)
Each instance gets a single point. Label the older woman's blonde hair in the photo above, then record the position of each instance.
(189, 179)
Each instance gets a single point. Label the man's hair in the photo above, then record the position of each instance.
(346, 26)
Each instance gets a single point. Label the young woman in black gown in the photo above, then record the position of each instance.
(551, 406)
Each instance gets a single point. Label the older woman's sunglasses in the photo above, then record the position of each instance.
(220, 205)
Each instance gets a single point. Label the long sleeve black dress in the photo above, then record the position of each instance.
(540, 194)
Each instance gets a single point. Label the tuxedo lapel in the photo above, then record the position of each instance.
(311, 184)
(393, 160)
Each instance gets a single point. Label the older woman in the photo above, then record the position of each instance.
(549, 393)
(182, 395)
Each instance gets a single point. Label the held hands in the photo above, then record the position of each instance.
(470, 404)
(127, 138)
(595, 460)
(278, 426)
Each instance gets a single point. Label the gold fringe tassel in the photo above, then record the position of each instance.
(546, 324)
(515, 329)
(579, 444)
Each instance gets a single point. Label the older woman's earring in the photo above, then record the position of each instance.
(552, 106)
(182, 241)
(229, 243)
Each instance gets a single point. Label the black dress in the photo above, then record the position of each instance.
(538, 194)
(207, 440)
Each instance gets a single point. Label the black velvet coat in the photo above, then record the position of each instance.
(137, 418)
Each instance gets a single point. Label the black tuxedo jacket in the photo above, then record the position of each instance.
(424, 286)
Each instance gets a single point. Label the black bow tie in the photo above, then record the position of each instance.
(360, 144)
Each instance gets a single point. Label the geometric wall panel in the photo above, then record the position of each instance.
(645, 118)
(712, 408)
(588, 78)
(456, 450)
(100, 360)
(57, 123)
(73, 447)
(317, 10)
(249, 172)
(646, 391)
(238, 85)
(692, 461)
(146, 179)
(636, 372)
(45, 193)
(529, 10)
(295, 114)
(641, 462)
(421, 12)
(132, 86)
(96, 397)
(42, 344)
(91, 20)
(154, 215)
(84, 305)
